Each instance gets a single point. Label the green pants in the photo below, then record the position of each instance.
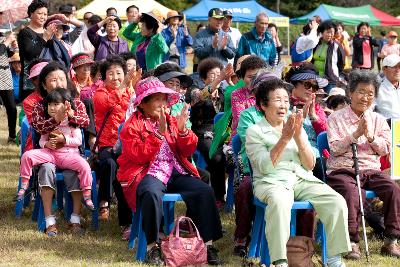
(329, 205)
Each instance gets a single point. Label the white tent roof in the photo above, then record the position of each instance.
(99, 7)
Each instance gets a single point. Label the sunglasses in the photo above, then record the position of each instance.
(309, 85)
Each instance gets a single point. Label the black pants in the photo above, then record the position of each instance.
(215, 165)
(198, 197)
(91, 128)
(7, 96)
(107, 172)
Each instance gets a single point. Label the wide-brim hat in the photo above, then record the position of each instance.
(36, 69)
(173, 14)
(14, 58)
(153, 85)
(335, 91)
(155, 14)
(81, 60)
(303, 76)
(185, 80)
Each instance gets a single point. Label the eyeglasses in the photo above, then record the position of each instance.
(369, 95)
(309, 85)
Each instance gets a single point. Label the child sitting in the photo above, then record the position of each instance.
(60, 147)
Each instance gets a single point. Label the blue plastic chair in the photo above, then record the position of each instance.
(322, 144)
(259, 244)
(136, 227)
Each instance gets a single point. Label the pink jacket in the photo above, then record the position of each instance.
(73, 138)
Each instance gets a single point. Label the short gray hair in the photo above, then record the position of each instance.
(261, 15)
(358, 76)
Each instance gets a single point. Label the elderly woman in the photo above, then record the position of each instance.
(359, 125)
(363, 42)
(54, 75)
(149, 45)
(206, 103)
(282, 160)
(328, 55)
(154, 161)
(110, 44)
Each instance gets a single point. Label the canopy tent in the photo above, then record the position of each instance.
(244, 11)
(350, 15)
(99, 7)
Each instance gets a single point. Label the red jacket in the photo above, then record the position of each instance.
(103, 100)
(140, 146)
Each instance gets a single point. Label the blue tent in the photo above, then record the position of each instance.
(244, 11)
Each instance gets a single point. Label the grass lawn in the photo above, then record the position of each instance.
(21, 244)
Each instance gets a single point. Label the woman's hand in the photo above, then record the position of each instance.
(57, 138)
(298, 125)
(182, 118)
(49, 32)
(105, 21)
(68, 109)
(163, 121)
(368, 131)
(132, 77)
(160, 27)
(289, 128)
(60, 115)
(311, 111)
(50, 145)
(228, 73)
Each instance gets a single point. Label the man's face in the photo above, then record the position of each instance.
(227, 22)
(215, 24)
(392, 73)
(261, 25)
(133, 15)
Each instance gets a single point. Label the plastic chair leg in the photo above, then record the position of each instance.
(265, 258)
(169, 210)
(35, 211)
(95, 213)
(293, 222)
(254, 249)
(68, 205)
(134, 230)
(321, 235)
(41, 222)
(142, 243)
(230, 199)
(60, 193)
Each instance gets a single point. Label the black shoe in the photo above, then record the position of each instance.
(154, 257)
(240, 251)
(212, 256)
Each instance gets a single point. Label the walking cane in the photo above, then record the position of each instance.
(357, 173)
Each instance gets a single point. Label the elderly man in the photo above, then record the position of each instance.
(258, 41)
(132, 15)
(234, 33)
(213, 41)
(388, 100)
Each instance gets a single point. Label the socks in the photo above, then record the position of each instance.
(50, 220)
(75, 218)
(336, 261)
(390, 241)
(280, 263)
(87, 197)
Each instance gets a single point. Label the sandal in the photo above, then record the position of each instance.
(104, 213)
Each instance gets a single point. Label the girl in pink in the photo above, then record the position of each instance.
(60, 147)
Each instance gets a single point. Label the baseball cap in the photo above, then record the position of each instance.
(227, 13)
(391, 60)
(216, 13)
(392, 34)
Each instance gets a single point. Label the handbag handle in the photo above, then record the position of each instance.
(103, 124)
(176, 226)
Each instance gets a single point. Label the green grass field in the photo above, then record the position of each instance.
(22, 245)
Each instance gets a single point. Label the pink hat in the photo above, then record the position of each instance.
(36, 69)
(152, 85)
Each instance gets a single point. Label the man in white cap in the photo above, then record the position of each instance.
(388, 100)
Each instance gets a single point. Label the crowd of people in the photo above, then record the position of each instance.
(123, 84)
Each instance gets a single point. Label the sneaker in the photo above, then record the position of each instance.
(392, 250)
(89, 204)
(76, 229)
(154, 256)
(51, 231)
(354, 254)
(212, 256)
(240, 251)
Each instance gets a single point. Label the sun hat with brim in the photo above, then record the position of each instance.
(153, 85)
(155, 14)
(335, 91)
(36, 69)
(391, 60)
(185, 80)
(81, 60)
(173, 14)
(14, 58)
(303, 76)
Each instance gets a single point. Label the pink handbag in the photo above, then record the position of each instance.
(183, 251)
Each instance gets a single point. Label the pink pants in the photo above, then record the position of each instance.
(63, 160)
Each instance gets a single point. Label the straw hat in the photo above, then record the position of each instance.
(173, 14)
(155, 14)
